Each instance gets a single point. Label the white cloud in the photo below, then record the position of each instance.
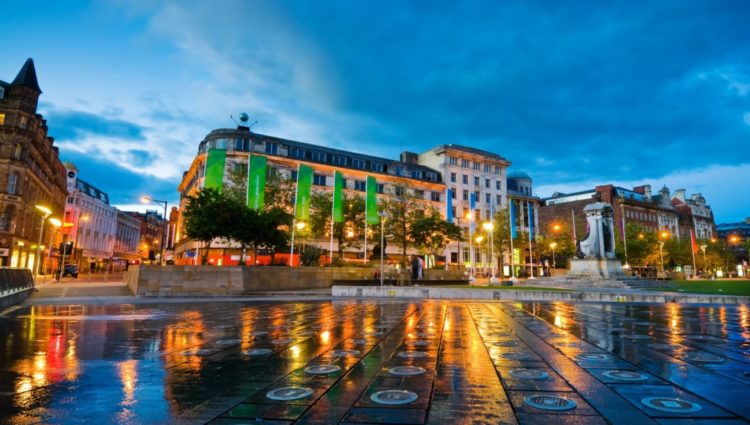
(723, 186)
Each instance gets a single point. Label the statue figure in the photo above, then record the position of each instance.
(600, 241)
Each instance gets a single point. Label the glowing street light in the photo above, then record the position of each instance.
(46, 212)
(301, 225)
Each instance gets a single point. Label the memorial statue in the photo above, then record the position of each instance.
(596, 252)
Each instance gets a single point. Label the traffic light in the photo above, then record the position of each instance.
(66, 248)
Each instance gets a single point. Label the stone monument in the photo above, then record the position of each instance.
(596, 253)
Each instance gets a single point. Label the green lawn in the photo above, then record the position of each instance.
(520, 288)
(718, 287)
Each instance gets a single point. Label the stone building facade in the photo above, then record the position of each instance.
(127, 238)
(94, 223)
(31, 174)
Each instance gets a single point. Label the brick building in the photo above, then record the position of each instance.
(31, 174)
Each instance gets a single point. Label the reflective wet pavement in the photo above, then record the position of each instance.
(367, 362)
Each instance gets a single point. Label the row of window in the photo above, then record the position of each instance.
(361, 186)
(296, 152)
(477, 181)
(474, 165)
(637, 215)
(477, 194)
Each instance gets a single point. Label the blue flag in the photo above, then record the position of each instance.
(449, 205)
(512, 206)
(531, 220)
(472, 207)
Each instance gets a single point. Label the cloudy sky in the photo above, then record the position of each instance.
(584, 93)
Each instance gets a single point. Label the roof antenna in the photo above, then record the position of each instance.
(244, 118)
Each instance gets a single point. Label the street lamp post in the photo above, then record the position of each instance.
(46, 212)
(147, 199)
(470, 217)
(56, 223)
(661, 254)
(553, 245)
(490, 227)
(703, 249)
(78, 232)
(382, 249)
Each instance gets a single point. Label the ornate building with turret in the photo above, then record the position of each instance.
(31, 174)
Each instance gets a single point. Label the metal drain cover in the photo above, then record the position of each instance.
(359, 341)
(670, 404)
(229, 342)
(704, 357)
(258, 351)
(424, 334)
(259, 334)
(393, 397)
(529, 374)
(419, 343)
(515, 356)
(593, 357)
(289, 393)
(406, 370)
(345, 353)
(412, 354)
(323, 369)
(625, 375)
(372, 333)
(549, 402)
(506, 344)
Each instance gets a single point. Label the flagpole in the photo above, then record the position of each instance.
(367, 183)
(531, 253)
(573, 219)
(333, 208)
(693, 245)
(294, 219)
(624, 235)
(510, 231)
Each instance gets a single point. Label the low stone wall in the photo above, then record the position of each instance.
(168, 281)
(538, 295)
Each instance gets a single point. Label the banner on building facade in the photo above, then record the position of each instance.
(215, 160)
(472, 208)
(512, 213)
(304, 186)
(338, 197)
(372, 201)
(256, 182)
(449, 205)
(531, 220)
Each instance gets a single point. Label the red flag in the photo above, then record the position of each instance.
(692, 241)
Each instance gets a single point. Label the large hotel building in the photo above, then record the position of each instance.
(446, 170)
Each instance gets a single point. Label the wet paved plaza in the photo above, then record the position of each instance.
(368, 362)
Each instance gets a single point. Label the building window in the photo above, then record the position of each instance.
(399, 191)
(452, 160)
(241, 144)
(497, 185)
(453, 211)
(318, 156)
(360, 185)
(464, 163)
(476, 195)
(295, 152)
(12, 183)
(6, 218)
(487, 198)
(466, 195)
(418, 193)
(2, 116)
(487, 168)
(487, 183)
(453, 193)
(380, 188)
(24, 122)
(358, 163)
(499, 200)
(477, 166)
(319, 180)
(17, 152)
(465, 179)
(272, 148)
(293, 175)
(453, 177)
(377, 166)
(435, 196)
(476, 181)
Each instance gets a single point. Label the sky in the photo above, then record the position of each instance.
(576, 94)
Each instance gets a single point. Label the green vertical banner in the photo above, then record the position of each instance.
(256, 182)
(215, 169)
(304, 185)
(372, 201)
(338, 197)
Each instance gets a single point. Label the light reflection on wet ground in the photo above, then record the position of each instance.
(231, 363)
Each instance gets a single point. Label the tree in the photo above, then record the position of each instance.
(431, 234)
(246, 230)
(643, 245)
(274, 230)
(559, 235)
(401, 211)
(347, 234)
(208, 215)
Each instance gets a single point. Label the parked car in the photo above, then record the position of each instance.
(70, 270)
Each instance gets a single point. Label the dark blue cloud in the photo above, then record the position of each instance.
(122, 185)
(68, 124)
(609, 91)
